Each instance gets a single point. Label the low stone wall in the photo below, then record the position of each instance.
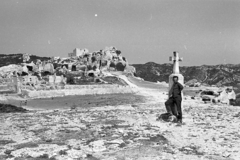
(78, 90)
(4, 87)
(42, 94)
(91, 86)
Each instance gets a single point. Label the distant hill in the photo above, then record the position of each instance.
(6, 59)
(224, 74)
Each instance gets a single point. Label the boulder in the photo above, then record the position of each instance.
(193, 83)
(227, 95)
(167, 117)
(97, 146)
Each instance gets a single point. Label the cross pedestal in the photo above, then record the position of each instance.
(175, 59)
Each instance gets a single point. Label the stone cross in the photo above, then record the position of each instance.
(176, 61)
(176, 72)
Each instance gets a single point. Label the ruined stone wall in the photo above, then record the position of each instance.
(78, 90)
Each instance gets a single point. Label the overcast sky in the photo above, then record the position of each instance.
(203, 31)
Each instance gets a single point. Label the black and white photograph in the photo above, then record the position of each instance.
(119, 79)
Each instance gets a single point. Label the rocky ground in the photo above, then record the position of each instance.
(122, 132)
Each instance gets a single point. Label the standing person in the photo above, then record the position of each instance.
(175, 98)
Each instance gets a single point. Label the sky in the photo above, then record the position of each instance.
(202, 31)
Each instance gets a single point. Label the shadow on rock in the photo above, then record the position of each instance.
(8, 108)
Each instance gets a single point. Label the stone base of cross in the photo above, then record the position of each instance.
(175, 59)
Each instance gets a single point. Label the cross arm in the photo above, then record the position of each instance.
(173, 59)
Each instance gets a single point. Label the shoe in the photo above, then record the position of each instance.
(179, 121)
(172, 118)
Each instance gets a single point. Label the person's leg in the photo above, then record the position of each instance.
(168, 105)
(174, 109)
(178, 102)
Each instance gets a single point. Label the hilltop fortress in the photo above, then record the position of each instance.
(82, 70)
